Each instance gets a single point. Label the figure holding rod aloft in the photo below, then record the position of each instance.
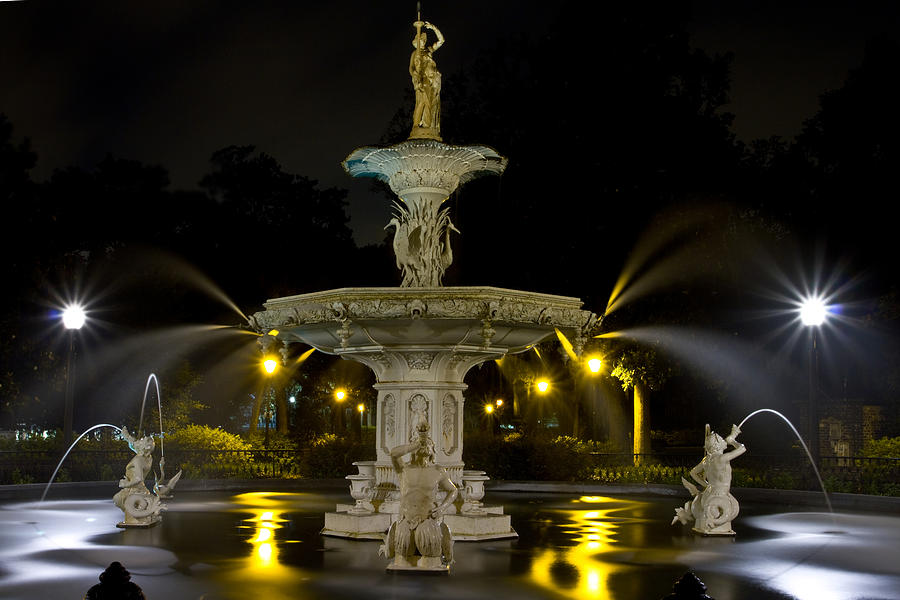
(426, 81)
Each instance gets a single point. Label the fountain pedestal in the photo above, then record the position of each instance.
(420, 343)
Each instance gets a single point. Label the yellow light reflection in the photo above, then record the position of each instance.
(580, 571)
(264, 552)
(262, 565)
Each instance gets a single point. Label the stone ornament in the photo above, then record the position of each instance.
(141, 507)
(418, 412)
(470, 303)
(712, 507)
(473, 492)
(448, 424)
(419, 540)
(420, 361)
(161, 487)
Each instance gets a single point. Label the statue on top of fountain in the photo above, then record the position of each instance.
(420, 540)
(426, 81)
(141, 507)
(712, 508)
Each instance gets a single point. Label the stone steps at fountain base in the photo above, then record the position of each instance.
(492, 524)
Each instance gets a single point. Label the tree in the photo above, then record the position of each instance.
(181, 408)
(279, 229)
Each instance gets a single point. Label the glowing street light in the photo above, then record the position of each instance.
(813, 313)
(73, 319)
(489, 408)
(499, 402)
(594, 365)
(543, 386)
(269, 366)
(339, 395)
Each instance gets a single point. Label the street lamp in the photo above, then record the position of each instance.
(594, 365)
(813, 312)
(339, 396)
(73, 318)
(269, 366)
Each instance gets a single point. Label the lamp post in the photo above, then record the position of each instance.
(542, 386)
(593, 364)
(339, 397)
(813, 313)
(73, 318)
(270, 365)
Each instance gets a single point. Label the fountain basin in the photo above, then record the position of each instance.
(607, 545)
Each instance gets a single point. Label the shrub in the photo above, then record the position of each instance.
(329, 456)
(883, 448)
(204, 452)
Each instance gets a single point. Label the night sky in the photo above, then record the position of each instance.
(170, 82)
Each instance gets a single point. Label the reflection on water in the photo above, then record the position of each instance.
(578, 570)
(262, 567)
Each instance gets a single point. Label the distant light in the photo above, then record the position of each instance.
(361, 407)
(292, 399)
(499, 402)
(594, 365)
(340, 395)
(73, 317)
(813, 311)
(488, 408)
(270, 365)
(542, 386)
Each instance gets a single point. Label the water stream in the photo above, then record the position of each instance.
(802, 443)
(155, 380)
(78, 439)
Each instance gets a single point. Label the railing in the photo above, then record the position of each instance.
(839, 473)
(36, 466)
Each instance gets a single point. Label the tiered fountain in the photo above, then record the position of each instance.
(421, 339)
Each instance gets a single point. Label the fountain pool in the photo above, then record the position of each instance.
(267, 544)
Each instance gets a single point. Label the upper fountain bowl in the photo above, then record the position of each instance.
(359, 320)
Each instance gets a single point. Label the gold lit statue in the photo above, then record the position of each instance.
(426, 82)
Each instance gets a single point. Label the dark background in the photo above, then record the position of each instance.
(172, 163)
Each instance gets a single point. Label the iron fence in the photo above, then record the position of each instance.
(840, 474)
(865, 475)
(37, 466)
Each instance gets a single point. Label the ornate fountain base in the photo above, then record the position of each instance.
(420, 343)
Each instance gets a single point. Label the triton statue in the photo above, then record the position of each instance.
(420, 540)
(713, 507)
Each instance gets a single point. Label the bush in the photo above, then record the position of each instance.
(883, 448)
(518, 456)
(207, 452)
(329, 456)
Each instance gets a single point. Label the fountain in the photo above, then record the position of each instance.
(420, 339)
(141, 506)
